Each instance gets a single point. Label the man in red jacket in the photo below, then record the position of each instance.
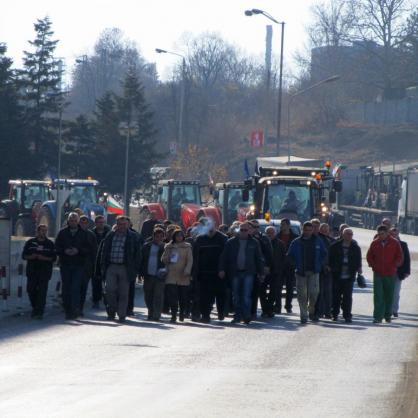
(384, 257)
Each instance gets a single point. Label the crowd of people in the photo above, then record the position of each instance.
(235, 268)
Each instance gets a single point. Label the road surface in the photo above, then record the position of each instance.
(276, 368)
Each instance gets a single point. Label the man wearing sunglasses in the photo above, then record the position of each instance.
(242, 261)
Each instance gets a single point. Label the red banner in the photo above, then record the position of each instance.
(257, 138)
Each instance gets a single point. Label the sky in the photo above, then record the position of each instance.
(154, 24)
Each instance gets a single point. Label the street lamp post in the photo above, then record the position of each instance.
(298, 93)
(127, 129)
(59, 208)
(280, 95)
(182, 92)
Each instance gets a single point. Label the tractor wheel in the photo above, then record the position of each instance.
(24, 227)
(45, 217)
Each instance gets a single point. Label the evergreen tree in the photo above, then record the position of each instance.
(13, 149)
(40, 81)
(79, 157)
(135, 111)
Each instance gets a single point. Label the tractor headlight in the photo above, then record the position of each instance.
(252, 208)
(92, 214)
(324, 209)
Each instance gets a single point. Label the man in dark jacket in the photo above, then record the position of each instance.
(345, 263)
(270, 288)
(90, 261)
(73, 248)
(152, 270)
(148, 225)
(39, 252)
(403, 271)
(308, 255)
(100, 230)
(242, 261)
(207, 250)
(267, 253)
(286, 235)
(120, 263)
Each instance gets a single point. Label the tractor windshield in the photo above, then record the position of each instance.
(82, 194)
(236, 206)
(185, 193)
(35, 193)
(288, 200)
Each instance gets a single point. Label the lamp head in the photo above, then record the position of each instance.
(160, 51)
(257, 11)
(248, 13)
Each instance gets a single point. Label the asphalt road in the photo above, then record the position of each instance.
(93, 368)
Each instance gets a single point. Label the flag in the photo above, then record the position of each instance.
(246, 169)
(113, 206)
(257, 138)
(210, 179)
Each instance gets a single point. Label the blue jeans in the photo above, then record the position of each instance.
(242, 286)
(71, 277)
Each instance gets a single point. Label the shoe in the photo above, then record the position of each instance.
(377, 321)
(271, 315)
(149, 318)
(235, 321)
(289, 310)
(111, 316)
(264, 315)
(122, 319)
(173, 320)
(130, 313)
(181, 318)
(348, 320)
(395, 314)
(247, 321)
(195, 318)
(335, 318)
(304, 321)
(314, 318)
(388, 320)
(221, 317)
(328, 316)
(205, 320)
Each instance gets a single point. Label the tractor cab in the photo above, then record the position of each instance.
(23, 204)
(234, 200)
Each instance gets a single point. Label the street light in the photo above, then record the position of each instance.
(279, 104)
(298, 93)
(128, 129)
(182, 91)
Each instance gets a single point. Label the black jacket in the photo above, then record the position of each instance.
(100, 237)
(45, 248)
(405, 268)
(266, 249)
(145, 252)
(292, 236)
(254, 257)
(336, 259)
(206, 255)
(148, 228)
(80, 241)
(279, 257)
(132, 257)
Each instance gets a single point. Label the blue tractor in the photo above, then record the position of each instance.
(74, 195)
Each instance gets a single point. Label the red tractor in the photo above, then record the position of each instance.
(180, 201)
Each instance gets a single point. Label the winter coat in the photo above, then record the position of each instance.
(80, 241)
(385, 259)
(178, 272)
(296, 254)
(336, 256)
(145, 253)
(405, 268)
(253, 257)
(132, 255)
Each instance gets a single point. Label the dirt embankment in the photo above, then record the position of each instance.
(362, 144)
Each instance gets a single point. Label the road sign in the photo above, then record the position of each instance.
(257, 138)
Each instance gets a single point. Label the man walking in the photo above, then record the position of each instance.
(39, 252)
(242, 261)
(73, 248)
(345, 263)
(120, 264)
(271, 289)
(308, 255)
(148, 226)
(403, 271)
(152, 270)
(100, 230)
(90, 261)
(207, 250)
(286, 235)
(384, 257)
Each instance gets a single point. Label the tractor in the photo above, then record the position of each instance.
(23, 204)
(180, 201)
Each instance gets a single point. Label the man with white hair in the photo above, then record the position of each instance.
(73, 248)
(345, 263)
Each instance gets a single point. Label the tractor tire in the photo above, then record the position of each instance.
(24, 227)
(45, 217)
